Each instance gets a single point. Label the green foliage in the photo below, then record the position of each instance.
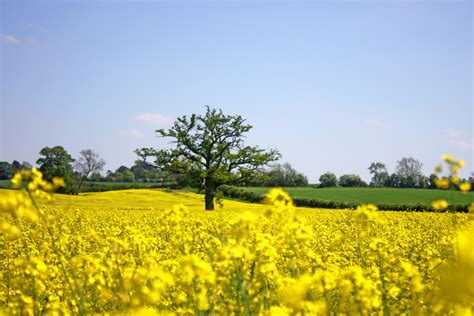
(351, 180)
(409, 174)
(87, 163)
(209, 149)
(280, 175)
(56, 162)
(93, 186)
(380, 176)
(328, 179)
(6, 170)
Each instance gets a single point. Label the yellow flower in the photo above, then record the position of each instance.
(438, 169)
(447, 157)
(455, 180)
(442, 183)
(58, 182)
(440, 205)
(465, 186)
(10, 232)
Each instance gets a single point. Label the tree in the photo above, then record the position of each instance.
(87, 163)
(379, 174)
(210, 150)
(409, 173)
(6, 170)
(282, 175)
(328, 179)
(25, 165)
(16, 165)
(128, 176)
(351, 180)
(56, 163)
(432, 181)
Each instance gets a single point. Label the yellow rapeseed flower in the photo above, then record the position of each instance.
(465, 186)
(440, 205)
(448, 158)
(442, 183)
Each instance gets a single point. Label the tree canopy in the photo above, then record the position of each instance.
(210, 150)
(380, 176)
(56, 162)
(328, 179)
(87, 163)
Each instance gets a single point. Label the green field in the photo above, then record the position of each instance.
(5, 183)
(105, 186)
(387, 196)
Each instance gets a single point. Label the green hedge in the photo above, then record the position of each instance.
(244, 195)
(110, 186)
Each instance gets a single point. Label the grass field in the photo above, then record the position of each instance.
(5, 183)
(386, 196)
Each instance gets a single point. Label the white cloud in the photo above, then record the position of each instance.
(460, 139)
(131, 133)
(156, 119)
(9, 39)
(375, 123)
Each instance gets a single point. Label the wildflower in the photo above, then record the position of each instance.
(442, 183)
(447, 157)
(465, 186)
(439, 205)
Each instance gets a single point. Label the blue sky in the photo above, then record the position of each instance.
(333, 85)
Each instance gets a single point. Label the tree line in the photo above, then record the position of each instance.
(207, 152)
(408, 174)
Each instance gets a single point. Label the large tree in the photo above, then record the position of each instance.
(87, 163)
(380, 176)
(56, 162)
(410, 174)
(328, 179)
(210, 150)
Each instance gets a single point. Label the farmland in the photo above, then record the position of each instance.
(153, 251)
(386, 196)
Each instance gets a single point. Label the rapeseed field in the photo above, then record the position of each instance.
(155, 252)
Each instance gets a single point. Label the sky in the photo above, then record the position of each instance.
(333, 85)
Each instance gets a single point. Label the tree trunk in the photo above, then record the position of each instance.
(209, 186)
(80, 185)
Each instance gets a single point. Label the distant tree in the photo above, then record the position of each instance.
(6, 170)
(128, 176)
(16, 165)
(139, 170)
(87, 163)
(471, 179)
(409, 173)
(379, 174)
(282, 175)
(118, 176)
(109, 176)
(351, 180)
(122, 169)
(209, 149)
(56, 162)
(95, 177)
(431, 181)
(328, 179)
(25, 165)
